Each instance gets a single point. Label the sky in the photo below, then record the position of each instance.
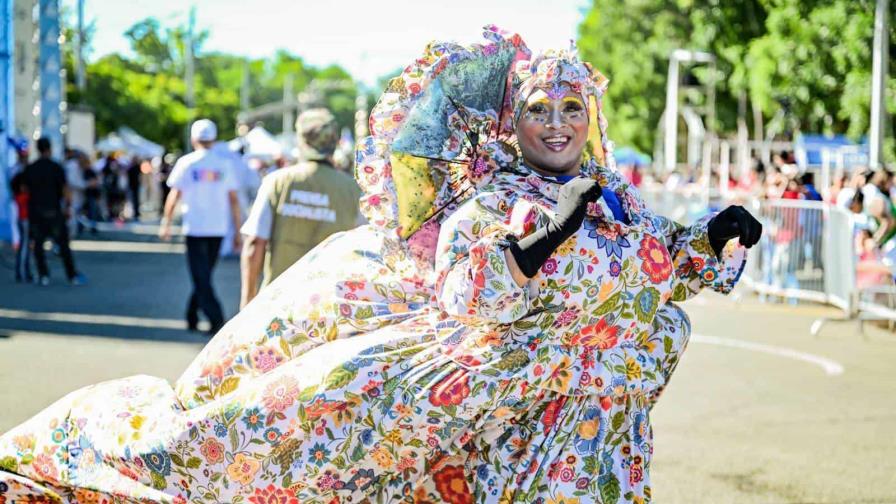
(368, 38)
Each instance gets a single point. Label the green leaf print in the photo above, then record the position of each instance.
(591, 465)
(194, 462)
(9, 464)
(339, 378)
(646, 303)
(513, 361)
(158, 481)
(617, 421)
(609, 305)
(680, 293)
(495, 262)
(609, 489)
(358, 453)
(176, 460)
(308, 393)
(229, 385)
(667, 344)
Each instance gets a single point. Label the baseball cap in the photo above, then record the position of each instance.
(318, 134)
(204, 130)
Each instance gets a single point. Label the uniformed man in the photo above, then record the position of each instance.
(298, 206)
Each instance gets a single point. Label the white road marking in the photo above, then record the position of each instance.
(831, 367)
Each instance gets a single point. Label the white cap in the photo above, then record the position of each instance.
(204, 130)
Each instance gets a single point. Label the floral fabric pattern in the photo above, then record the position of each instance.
(382, 380)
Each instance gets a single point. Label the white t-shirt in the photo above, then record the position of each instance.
(261, 216)
(204, 179)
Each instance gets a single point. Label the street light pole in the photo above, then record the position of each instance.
(80, 74)
(188, 75)
(878, 85)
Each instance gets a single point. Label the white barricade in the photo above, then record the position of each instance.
(807, 250)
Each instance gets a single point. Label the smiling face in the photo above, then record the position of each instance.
(552, 131)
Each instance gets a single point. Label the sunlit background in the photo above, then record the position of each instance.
(783, 106)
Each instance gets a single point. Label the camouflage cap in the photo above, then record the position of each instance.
(317, 133)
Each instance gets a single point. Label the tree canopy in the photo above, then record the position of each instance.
(804, 62)
(147, 91)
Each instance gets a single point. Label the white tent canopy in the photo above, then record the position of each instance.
(140, 146)
(258, 142)
(130, 142)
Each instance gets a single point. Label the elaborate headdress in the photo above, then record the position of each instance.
(446, 124)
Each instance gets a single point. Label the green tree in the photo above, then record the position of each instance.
(147, 92)
(804, 61)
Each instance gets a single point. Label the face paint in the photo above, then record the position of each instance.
(552, 131)
(554, 71)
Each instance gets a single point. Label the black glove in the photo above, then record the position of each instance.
(532, 251)
(733, 222)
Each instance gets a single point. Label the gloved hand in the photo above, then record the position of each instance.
(733, 222)
(534, 250)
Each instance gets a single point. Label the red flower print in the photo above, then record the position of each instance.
(212, 450)
(601, 335)
(635, 474)
(552, 412)
(452, 390)
(273, 495)
(45, 468)
(656, 261)
(549, 267)
(452, 485)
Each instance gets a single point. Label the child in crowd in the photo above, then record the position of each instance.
(23, 254)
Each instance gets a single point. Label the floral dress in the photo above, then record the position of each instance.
(380, 387)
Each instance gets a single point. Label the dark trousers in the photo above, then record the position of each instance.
(23, 255)
(134, 193)
(55, 228)
(202, 254)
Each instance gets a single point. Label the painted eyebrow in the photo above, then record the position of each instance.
(572, 99)
(539, 101)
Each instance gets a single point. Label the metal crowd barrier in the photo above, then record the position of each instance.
(807, 251)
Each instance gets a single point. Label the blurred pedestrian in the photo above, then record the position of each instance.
(111, 187)
(23, 253)
(205, 184)
(134, 176)
(75, 181)
(297, 207)
(49, 206)
(807, 182)
(92, 193)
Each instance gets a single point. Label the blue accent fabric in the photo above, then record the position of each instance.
(615, 206)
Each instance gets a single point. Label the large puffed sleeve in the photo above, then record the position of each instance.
(474, 282)
(694, 262)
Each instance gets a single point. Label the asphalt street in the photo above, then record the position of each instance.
(759, 410)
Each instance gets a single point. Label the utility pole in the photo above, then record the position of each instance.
(673, 83)
(878, 85)
(244, 89)
(50, 63)
(188, 75)
(289, 100)
(80, 74)
(6, 113)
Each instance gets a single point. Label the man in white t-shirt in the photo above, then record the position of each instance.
(204, 183)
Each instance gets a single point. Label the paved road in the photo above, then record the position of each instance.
(759, 410)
